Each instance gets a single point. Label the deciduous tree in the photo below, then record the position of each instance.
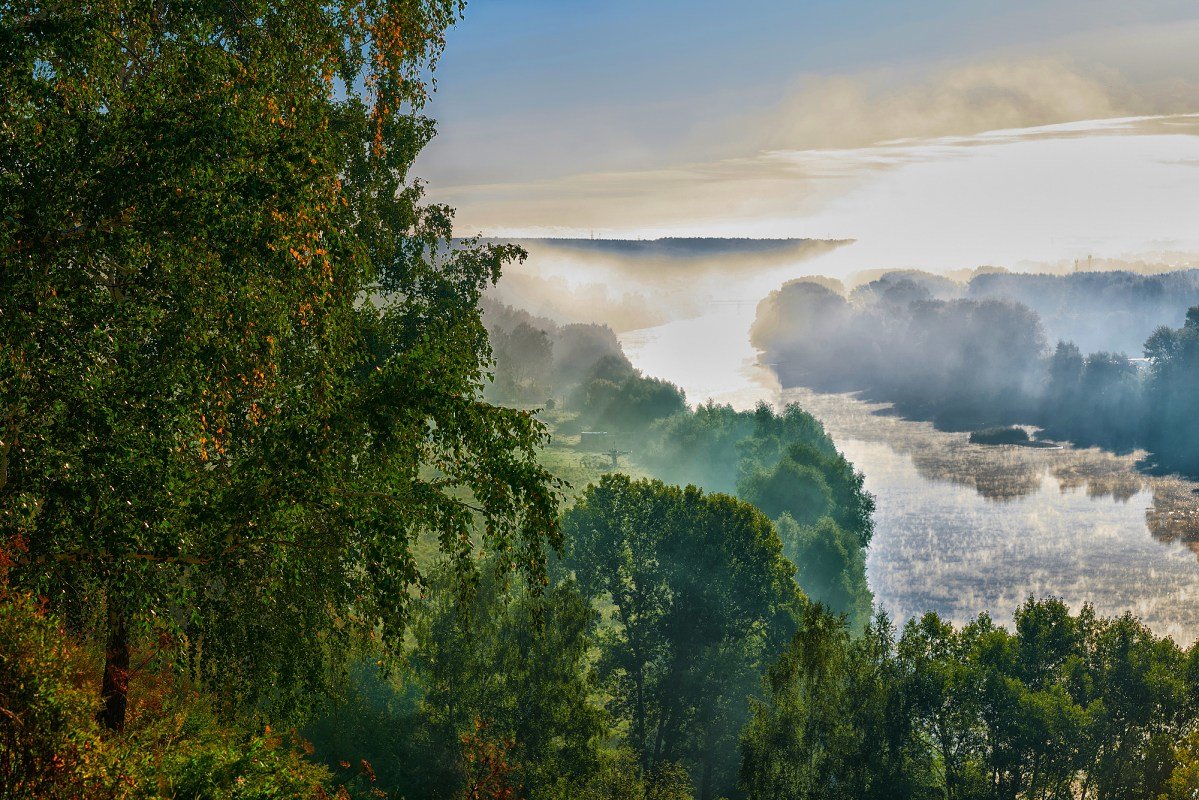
(240, 359)
(702, 599)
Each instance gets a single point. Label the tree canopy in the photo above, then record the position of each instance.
(240, 359)
(1062, 706)
(701, 600)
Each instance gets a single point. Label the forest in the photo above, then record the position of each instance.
(290, 509)
(967, 363)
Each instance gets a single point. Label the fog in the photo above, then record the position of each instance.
(1109, 188)
(1103, 194)
(971, 356)
(633, 284)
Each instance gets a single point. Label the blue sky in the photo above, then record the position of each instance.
(535, 91)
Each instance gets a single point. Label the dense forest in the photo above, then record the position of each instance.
(279, 516)
(969, 363)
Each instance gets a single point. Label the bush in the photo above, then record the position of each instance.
(1008, 435)
(50, 746)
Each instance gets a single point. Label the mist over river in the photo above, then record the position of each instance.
(963, 528)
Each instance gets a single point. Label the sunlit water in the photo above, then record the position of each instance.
(963, 528)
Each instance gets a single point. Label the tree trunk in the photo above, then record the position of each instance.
(705, 784)
(640, 721)
(659, 736)
(114, 691)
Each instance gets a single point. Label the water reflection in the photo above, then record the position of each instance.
(963, 528)
(1174, 516)
(1008, 472)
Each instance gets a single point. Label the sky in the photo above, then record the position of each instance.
(867, 120)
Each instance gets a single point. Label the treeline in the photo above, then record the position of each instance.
(580, 367)
(785, 465)
(1109, 311)
(972, 363)
(683, 683)
(625, 677)
(1062, 707)
(672, 656)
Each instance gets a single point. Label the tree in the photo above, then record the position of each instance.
(619, 397)
(502, 679)
(1143, 706)
(1061, 400)
(240, 361)
(622, 778)
(1183, 783)
(514, 666)
(701, 599)
(1173, 434)
(941, 691)
(830, 566)
(524, 358)
(49, 745)
(835, 723)
(1066, 707)
(798, 490)
(1111, 393)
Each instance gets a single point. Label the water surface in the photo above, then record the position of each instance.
(963, 528)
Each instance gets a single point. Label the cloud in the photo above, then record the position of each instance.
(787, 169)
(855, 111)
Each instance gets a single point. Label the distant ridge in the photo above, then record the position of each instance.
(677, 247)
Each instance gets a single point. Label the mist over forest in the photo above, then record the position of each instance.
(638, 283)
(977, 355)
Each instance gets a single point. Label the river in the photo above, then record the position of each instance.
(962, 528)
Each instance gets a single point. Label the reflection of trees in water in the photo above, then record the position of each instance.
(1101, 474)
(1174, 516)
(1004, 473)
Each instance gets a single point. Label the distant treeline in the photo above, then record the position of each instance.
(968, 363)
(538, 362)
(693, 247)
(1098, 311)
